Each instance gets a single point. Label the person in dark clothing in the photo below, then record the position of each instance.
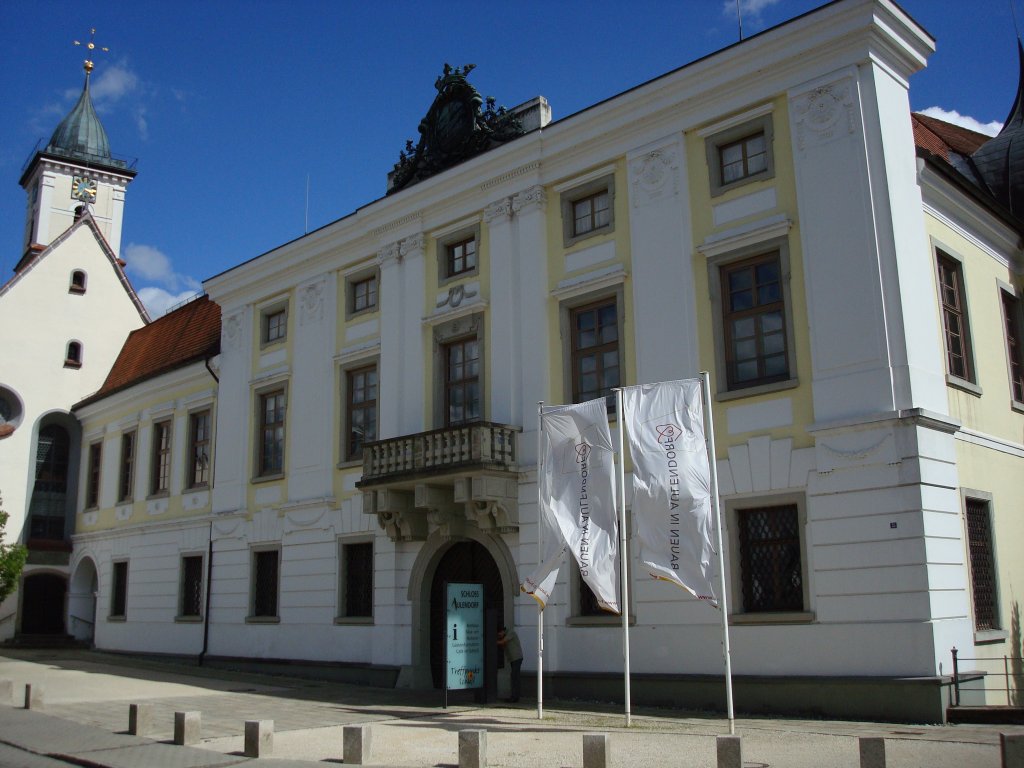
(508, 641)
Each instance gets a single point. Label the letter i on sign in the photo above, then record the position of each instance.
(455, 631)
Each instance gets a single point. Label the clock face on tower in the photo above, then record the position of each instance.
(83, 189)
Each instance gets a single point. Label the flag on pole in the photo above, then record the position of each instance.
(577, 500)
(671, 483)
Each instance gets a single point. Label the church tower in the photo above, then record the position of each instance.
(74, 170)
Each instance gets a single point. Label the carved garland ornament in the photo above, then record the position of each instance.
(823, 114)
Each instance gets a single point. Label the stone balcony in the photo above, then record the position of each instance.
(443, 479)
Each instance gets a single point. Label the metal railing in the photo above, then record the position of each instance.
(449, 448)
(1009, 668)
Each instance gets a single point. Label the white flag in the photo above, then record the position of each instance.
(577, 500)
(671, 483)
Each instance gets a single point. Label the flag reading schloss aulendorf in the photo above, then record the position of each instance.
(577, 501)
(671, 482)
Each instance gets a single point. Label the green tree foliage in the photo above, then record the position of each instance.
(12, 559)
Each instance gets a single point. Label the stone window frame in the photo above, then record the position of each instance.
(256, 553)
(715, 264)
(270, 310)
(1012, 310)
(728, 132)
(126, 466)
(345, 370)
(259, 469)
(183, 587)
(945, 256)
(160, 475)
(730, 512)
(578, 189)
(344, 542)
(992, 634)
(118, 590)
(453, 235)
(466, 326)
(351, 281)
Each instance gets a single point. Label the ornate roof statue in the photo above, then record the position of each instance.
(1000, 160)
(454, 129)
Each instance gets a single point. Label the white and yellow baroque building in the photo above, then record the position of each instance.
(763, 214)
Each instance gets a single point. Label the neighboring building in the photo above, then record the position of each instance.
(763, 213)
(63, 318)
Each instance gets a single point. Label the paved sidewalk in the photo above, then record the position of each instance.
(85, 722)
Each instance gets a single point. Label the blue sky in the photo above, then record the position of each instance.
(230, 106)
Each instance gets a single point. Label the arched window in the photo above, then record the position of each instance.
(49, 494)
(77, 282)
(74, 356)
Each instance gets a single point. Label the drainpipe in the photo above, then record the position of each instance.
(209, 589)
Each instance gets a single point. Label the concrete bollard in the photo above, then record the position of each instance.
(596, 750)
(186, 727)
(6, 692)
(356, 744)
(140, 719)
(730, 751)
(259, 738)
(34, 698)
(472, 749)
(872, 752)
(1012, 748)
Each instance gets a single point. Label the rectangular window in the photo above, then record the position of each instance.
(356, 587)
(743, 158)
(461, 257)
(92, 482)
(361, 409)
(199, 450)
(191, 603)
(271, 447)
(462, 381)
(275, 325)
(160, 470)
(954, 318)
(1014, 351)
(364, 294)
(119, 590)
(265, 583)
(771, 572)
(126, 479)
(982, 561)
(594, 330)
(754, 322)
(590, 213)
(588, 208)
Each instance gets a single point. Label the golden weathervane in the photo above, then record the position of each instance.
(90, 47)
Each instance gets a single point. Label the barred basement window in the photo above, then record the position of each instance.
(357, 580)
(770, 569)
(265, 583)
(983, 572)
(191, 586)
(119, 590)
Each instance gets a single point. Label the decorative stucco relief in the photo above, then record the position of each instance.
(825, 113)
(530, 199)
(390, 253)
(232, 332)
(413, 246)
(311, 302)
(499, 211)
(654, 175)
(457, 294)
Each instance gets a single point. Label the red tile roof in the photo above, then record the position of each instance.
(940, 137)
(186, 335)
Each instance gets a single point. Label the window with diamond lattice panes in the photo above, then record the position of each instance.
(265, 583)
(191, 585)
(119, 590)
(771, 572)
(982, 560)
(357, 587)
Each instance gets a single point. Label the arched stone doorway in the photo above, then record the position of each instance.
(478, 557)
(82, 601)
(42, 604)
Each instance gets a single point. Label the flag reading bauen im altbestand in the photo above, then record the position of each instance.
(577, 501)
(671, 483)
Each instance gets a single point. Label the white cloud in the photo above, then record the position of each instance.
(157, 301)
(113, 83)
(964, 121)
(165, 287)
(749, 8)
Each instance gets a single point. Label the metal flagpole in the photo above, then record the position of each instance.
(623, 551)
(723, 602)
(540, 559)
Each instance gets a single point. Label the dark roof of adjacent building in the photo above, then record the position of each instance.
(189, 334)
(1000, 161)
